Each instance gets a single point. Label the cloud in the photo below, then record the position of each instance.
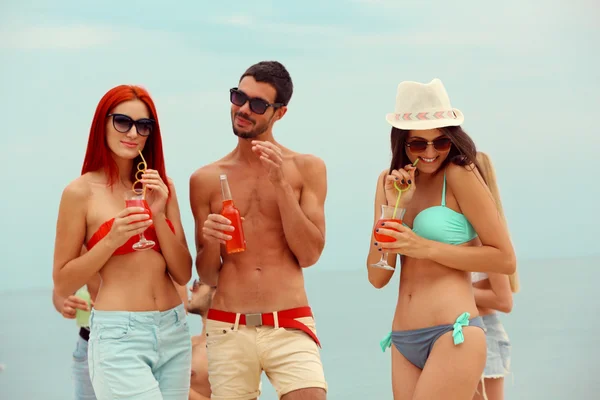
(236, 20)
(386, 3)
(281, 27)
(73, 36)
(498, 27)
(56, 37)
(418, 39)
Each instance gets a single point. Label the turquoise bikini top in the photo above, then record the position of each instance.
(443, 224)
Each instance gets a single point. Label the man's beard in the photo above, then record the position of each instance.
(257, 131)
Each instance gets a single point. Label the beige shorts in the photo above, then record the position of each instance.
(237, 355)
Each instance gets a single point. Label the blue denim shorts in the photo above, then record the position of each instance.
(498, 348)
(140, 355)
(81, 373)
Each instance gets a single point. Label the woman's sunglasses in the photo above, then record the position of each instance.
(419, 146)
(257, 105)
(123, 123)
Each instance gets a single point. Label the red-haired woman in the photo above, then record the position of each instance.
(140, 342)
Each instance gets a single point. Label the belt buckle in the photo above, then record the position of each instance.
(254, 319)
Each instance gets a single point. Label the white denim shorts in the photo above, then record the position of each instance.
(498, 348)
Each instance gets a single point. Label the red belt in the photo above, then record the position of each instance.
(286, 319)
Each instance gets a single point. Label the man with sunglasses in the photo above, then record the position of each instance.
(261, 319)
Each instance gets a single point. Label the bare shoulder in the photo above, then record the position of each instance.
(78, 191)
(310, 166)
(204, 182)
(204, 173)
(461, 176)
(468, 186)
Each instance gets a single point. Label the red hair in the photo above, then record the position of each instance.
(98, 154)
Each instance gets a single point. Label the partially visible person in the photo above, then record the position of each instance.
(493, 293)
(67, 307)
(138, 309)
(201, 296)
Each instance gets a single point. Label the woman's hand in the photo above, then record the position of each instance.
(403, 179)
(129, 222)
(157, 191)
(407, 242)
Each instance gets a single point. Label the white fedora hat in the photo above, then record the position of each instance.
(422, 106)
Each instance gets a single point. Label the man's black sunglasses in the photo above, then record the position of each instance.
(257, 105)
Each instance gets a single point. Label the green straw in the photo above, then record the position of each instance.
(400, 192)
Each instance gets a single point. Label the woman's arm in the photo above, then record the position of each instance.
(72, 270)
(58, 302)
(174, 246)
(496, 254)
(182, 292)
(498, 296)
(93, 285)
(377, 276)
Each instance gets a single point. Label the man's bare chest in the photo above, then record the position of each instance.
(255, 195)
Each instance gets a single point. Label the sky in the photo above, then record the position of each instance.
(525, 75)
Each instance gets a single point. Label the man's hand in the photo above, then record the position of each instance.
(72, 304)
(271, 158)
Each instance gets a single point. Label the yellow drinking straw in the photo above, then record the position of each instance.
(400, 192)
(141, 168)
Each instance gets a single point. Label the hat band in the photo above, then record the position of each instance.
(425, 116)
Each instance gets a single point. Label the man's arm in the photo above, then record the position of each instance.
(208, 254)
(304, 221)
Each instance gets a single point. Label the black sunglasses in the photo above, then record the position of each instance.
(257, 105)
(123, 123)
(419, 146)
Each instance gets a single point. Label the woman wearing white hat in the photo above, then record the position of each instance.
(450, 228)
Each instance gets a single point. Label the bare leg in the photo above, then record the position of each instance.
(404, 376)
(494, 389)
(306, 394)
(452, 372)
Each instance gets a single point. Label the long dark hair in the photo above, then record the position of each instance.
(463, 151)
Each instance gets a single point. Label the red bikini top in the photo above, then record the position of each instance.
(149, 234)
